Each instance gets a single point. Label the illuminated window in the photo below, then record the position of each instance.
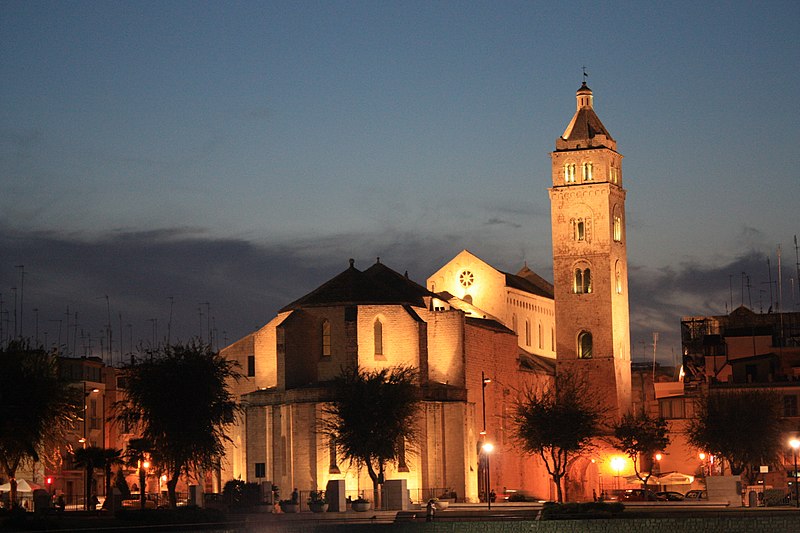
(333, 468)
(587, 172)
(466, 279)
(582, 283)
(541, 338)
(569, 173)
(527, 333)
(326, 337)
(585, 345)
(378, 330)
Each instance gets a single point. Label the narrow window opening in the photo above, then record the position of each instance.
(585, 345)
(378, 330)
(326, 338)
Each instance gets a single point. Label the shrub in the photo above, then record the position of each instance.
(774, 497)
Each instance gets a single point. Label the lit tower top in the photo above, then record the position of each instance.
(585, 129)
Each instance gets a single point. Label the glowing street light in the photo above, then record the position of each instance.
(795, 444)
(487, 449)
(617, 465)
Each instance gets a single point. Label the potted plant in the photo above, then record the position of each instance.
(440, 505)
(361, 504)
(289, 506)
(316, 502)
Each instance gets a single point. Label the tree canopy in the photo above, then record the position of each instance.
(640, 437)
(558, 423)
(178, 397)
(743, 426)
(372, 416)
(38, 408)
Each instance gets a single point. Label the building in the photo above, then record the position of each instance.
(478, 335)
(590, 269)
(378, 318)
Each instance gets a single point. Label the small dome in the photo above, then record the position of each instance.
(584, 89)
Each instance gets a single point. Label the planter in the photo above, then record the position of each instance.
(290, 507)
(441, 505)
(361, 506)
(318, 507)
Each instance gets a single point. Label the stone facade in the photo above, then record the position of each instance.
(377, 319)
(589, 256)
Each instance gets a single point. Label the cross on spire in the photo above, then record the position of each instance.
(585, 75)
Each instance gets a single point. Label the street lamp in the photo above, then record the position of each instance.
(482, 476)
(86, 394)
(487, 448)
(795, 444)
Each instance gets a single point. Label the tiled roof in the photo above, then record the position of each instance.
(378, 284)
(585, 125)
(529, 281)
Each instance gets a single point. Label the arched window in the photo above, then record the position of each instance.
(618, 277)
(569, 173)
(587, 172)
(541, 339)
(582, 283)
(514, 323)
(585, 345)
(580, 230)
(326, 338)
(378, 334)
(527, 333)
(617, 225)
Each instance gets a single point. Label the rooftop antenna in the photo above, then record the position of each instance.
(655, 343)
(769, 277)
(169, 323)
(797, 262)
(21, 294)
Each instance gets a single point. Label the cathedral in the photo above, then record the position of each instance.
(476, 334)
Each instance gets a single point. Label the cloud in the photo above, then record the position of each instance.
(500, 222)
(148, 275)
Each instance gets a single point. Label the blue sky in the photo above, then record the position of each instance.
(240, 152)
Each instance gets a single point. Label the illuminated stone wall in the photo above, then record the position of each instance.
(492, 298)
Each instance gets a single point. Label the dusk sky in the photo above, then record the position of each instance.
(236, 154)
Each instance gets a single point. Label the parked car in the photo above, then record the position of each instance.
(696, 494)
(670, 496)
(640, 495)
(514, 495)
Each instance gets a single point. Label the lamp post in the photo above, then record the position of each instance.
(483, 476)
(487, 449)
(795, 444)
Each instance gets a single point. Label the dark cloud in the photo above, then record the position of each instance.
(246, 282)
(660, 297)
(500, 222)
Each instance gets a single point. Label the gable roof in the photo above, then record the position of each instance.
(529, 281)
(378, 284)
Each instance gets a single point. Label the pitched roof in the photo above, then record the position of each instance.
(585, 125)
(529, 281)
(378, 284)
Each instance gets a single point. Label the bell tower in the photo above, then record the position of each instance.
(590, 266)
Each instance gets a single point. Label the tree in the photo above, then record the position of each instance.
(136, 455)
(639, 437)
(111, 457)
(371, 418)
(37, 407)
(742, 426)
(558, 424)
(89, 459)
(179, 398)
